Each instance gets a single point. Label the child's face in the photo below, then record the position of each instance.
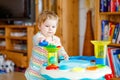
(48, 28)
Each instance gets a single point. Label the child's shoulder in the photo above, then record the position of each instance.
(38, 34)
(56, 37)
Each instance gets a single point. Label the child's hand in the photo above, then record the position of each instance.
(66, 57)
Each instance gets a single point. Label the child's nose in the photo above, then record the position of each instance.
(50, 28)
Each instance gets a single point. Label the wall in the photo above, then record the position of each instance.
(69, 27)
(84, 6)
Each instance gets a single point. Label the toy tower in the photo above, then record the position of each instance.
(100, 51)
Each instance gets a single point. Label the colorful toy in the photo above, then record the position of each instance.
(77, 70)
(77, 67)
(43, 43)
(52, 54)
(100, 50)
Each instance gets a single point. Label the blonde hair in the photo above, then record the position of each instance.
(46, 15)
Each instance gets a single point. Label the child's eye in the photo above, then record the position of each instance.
(46, 26)
(53, 26)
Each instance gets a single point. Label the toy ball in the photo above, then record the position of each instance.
(52, 60)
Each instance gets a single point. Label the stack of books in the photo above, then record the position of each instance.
(113, 58)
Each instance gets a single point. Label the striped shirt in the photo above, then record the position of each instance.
(39, 57)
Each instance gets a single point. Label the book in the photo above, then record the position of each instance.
(103, 6)
(113, 5)
(104, 30)
(117, 5)
(118, 38)
(110, 58)
(111, 30)
(115, 33)
(109, 5)
(116, 61)
(107, 60)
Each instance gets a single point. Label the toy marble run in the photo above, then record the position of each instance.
(52, 55)
(100, 51)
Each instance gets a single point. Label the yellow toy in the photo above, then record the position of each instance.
(100, 51)
(52, 56)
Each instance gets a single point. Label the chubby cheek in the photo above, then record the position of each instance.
(44, 31)
(54, 30)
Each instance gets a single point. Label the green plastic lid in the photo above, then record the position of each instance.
(51, 48)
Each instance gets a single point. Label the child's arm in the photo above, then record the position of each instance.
(37, 39)
(63, 53)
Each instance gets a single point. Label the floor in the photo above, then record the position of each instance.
(20, 76)
(12, 76)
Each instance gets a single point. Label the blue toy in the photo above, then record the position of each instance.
(43, 43)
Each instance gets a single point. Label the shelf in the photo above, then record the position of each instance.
(15, 50)
(115, 45)
(2, 37)
(2, 47)
(2, 26)
(15, 26)
(17, 38)
(18, 43)
(109, 13)
(24, 52)
(18, 58)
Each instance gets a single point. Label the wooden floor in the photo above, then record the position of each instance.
(12, 76)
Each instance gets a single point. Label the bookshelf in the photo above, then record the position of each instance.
(113, 16)
(14, 41)
(21, 53)
(99, 16)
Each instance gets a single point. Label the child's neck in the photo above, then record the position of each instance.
(50, 39)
